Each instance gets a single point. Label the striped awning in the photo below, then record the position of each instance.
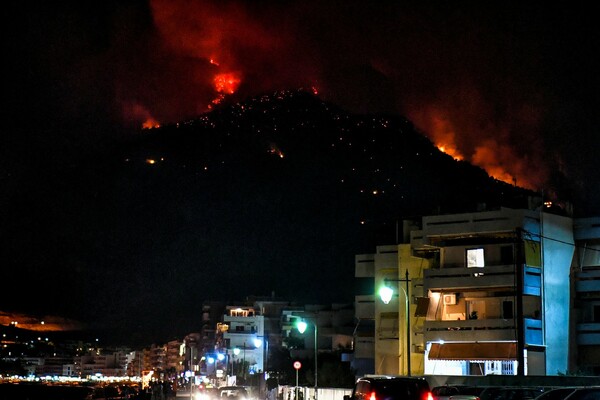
(473, 351)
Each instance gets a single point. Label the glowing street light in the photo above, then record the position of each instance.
(301, 326)
(386, 293)
(258, 342)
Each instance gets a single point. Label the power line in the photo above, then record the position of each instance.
(560, 241)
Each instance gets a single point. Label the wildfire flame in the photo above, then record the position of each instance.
(227, 82)
(494, 154)
(273, 149)
(150, 123)
(451, 151)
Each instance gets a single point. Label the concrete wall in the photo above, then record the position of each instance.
(557, 234)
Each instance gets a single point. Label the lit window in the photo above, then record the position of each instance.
(475, 258)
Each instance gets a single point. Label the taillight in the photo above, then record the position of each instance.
(372, 396)
(427, 396)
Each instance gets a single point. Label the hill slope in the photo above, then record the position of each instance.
(273, 195)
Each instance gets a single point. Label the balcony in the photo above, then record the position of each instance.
(470, 330)
(587, 282)
(482, 330)
(364, 306)
(454, 278)
(498, 276)
(588, 334)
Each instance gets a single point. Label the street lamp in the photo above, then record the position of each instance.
(236, 352)
(258, 342)
(301, 326)
(386, 293)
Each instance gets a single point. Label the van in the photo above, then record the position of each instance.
(385, 387)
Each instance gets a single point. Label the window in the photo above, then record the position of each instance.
(596, 316)
(475, 258)
(507, 309)
(506, 255)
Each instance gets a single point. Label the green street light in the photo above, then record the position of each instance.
(386, 293)
(301, 326)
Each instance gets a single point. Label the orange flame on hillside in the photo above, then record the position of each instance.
(137, 112)
(450, 150)
(227, 82)
(499, 159)
(224, 83)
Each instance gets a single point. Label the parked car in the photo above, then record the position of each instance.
(585, 393)
(447, 392)
(233, 393)
(384, 387)
(556, 393)
(511, 393)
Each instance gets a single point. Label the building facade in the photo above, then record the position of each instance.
(481, 293)
(585, 277)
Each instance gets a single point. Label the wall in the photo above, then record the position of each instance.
(557, 233)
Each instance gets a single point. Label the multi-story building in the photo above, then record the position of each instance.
(394, 323)
(114, 364)
(477, 294)
(174, 364)
(333, 324)
(244, 338)
(585, 273)
(363, 361)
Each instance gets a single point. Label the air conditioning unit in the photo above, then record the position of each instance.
(449, 299)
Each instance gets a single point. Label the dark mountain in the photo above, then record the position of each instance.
(274, 195)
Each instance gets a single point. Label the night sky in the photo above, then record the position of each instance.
(508, 87)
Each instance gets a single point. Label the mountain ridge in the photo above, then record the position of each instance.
(274, 195)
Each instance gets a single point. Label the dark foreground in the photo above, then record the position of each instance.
(32, 391)
(29, 391)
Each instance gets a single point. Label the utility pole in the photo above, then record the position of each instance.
(519, 262)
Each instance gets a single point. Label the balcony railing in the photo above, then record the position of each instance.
(497, 276)
(588, 333)
(482, 330)
(501, 329)
(587, 281)
(462, 277)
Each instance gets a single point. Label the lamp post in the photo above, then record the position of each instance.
(386, 294)
(301, 326)
(236, 352)
(244, 362)
(258, 342)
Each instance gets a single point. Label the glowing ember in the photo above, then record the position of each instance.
(273, 149)
(227, 82)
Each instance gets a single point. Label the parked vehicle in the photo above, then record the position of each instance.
(556, 393)
(585, 393)
(464, 397)
(511, 393)
(233, 393)
(449, 392)
(384, 387)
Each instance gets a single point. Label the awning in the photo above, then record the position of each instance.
(473, 351)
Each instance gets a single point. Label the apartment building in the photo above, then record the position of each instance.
(243, 334)
(585, 277)
(481, 293)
